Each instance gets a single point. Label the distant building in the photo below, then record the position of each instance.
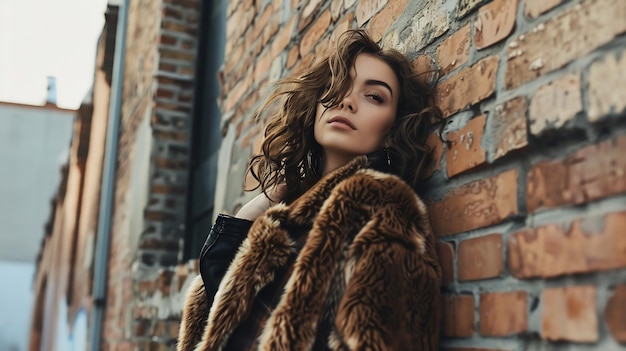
(62, 281)
(34, 147)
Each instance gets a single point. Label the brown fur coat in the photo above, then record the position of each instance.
(368, 267)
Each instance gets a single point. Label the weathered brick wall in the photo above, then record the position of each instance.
(146, 234)
(528, 197)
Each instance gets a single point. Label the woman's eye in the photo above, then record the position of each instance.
(376, 97)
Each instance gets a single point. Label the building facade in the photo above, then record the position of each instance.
(34, 148)
(527, 195)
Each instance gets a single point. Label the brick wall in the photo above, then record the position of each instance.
(151, 180)
(528, 196)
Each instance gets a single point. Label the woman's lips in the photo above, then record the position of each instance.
(342, 120)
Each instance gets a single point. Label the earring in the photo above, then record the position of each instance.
(309, 156)
(388, 159)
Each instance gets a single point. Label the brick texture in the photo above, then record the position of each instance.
(480, 258)
(534, 53)
(468, 87)
(607, 83)
(569, 313)
(554, 250)
(465, 151)
(534, 8)
(454, 51)
(589, 174)
(380, 23)
(366, 9)
(494, 23)
(555, 103)
(614, 314)
(458, 316)
(503, 313)
(477, 204)
(508, 127)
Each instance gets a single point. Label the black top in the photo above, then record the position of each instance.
(216, 255)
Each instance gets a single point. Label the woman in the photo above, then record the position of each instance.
(340, 254)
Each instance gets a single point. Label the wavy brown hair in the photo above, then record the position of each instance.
(289, 152)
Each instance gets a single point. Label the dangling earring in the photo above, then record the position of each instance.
(309, 156)
(388, 159)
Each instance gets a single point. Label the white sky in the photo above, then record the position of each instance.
(41, 38)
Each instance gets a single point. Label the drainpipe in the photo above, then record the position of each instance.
(107, 189)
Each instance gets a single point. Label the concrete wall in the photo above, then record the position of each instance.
(34, 144)
(15, 304)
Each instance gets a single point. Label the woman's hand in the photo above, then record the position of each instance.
(261, 203)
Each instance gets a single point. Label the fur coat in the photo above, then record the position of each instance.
(367, 268)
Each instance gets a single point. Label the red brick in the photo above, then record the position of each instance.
(465, 151)
(555, 250)
(458, 316)
(480, 258)
(468, 87)
(233, 59)
(534, 8)
(262, 66)
(503, 313)
(308, 13)
(341, 27)
(238, 91)
(615, 314)
(423, 63)
(494, 23)
(508, 128)
(435, 146)
(589, 174)
(232, 5)
(454, 51)
(315, 33)
(176, 55)
(607, 84)
(240, 20)
(335, 9)
(382, 21)
(564, 38)
(260, 22)
(283, 38)
(478, 204)
(292, 56)
(555, 103)
(271, 29)
(445, 252)
(366, 9)
(569, 313)
(167, 40)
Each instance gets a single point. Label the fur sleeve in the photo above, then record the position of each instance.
(392, 298)
(193, 320)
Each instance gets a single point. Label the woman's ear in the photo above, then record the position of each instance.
(387, 142)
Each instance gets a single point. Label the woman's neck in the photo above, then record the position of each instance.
(332, 161)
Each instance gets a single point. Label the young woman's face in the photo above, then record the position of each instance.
(363, 119)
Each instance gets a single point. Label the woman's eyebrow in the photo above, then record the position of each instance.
(378, 82)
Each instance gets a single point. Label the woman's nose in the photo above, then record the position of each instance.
(348, 103)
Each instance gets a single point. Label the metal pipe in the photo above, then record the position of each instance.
(107, 189)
